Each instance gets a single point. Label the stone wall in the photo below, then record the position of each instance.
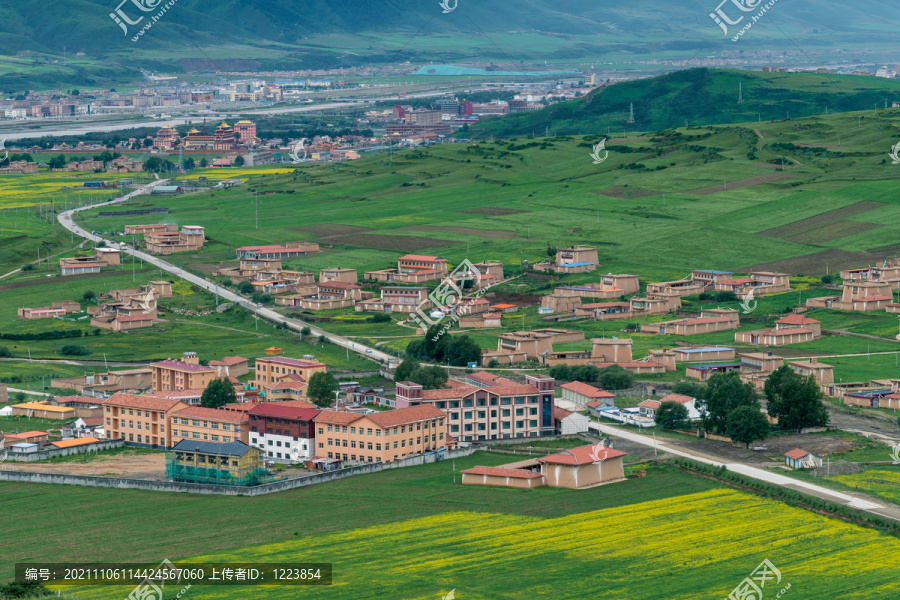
(57, 452)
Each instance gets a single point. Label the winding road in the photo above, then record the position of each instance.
(66, 220)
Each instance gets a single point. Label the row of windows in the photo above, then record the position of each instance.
(278, 421)
(196, 423)
(368, 445)
(362, 458)
(504, 413)
(483, 426)
(140, 439)
(196, 435)
(162, 428)
(387, 431)
(131, 412)
(469, 402)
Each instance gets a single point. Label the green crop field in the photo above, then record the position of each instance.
(224, 523)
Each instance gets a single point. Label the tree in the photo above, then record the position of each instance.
(239, 161)
(747, 424)
(227, 283)
(724, 393)
(321, 388)
(189, 164)
(795, 400)
(462, 350)
(615, 377)
(826, 279)
(245, 287)
(672, 415)
(218, 393)
(89, 295)
(430, 378)
(73, 350)
(306, 331)
(688, 388)
(57, 162)
(4, 352)
(203, 163)
(405, 369)
(560, 372)
(148, 142)
(725, 297)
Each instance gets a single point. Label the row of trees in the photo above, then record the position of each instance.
(612, 377)
(320, 391)
(459, 350)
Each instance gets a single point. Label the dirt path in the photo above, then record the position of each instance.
(134, 466)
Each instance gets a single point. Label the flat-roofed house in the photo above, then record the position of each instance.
(822, 373)
(858, 296)
(575, 259)
(288, 250)
(703, 354)
(708, 278)
(414, 268)
(757, 366)
(775, 337)
(230, 366)
(681, 287)
(397, 299)
(794, 321)
(696, 326)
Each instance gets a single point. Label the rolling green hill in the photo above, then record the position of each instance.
(660, 205)
(41, 40)
(702, 97)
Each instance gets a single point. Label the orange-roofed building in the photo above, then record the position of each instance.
(140, 420)
(582, 467)
(380, 437)
(583, 393)
(75, 442)
(209, 425)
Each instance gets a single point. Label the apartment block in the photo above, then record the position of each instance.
(283, 433)
(184, 374)
(208, 425)
(140, 420)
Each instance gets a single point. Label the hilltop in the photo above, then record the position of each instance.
(702, 97)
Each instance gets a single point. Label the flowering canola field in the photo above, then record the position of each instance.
(17, 191)
(699, 546)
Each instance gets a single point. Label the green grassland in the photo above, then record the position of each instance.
(234, 332)
(77, 529)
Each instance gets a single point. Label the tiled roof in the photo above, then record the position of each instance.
(492, 316)
(654, 404)
(582, 456)
(512, 390)
(291, 362)
(144, 402)
(337, 417)
(211, 414)
(297, 404)
(27, 434)
(561, 413)
(679, 398)
(796, 453)
(422, 258)
(452, 393)
(92, 421)
(596, 403)
(490, 378)
(586, 390)
(178, 394)
(401, 416)
(180, 365)
(501, 472)
(73, 399)
(796, 319)
(228, 361)
(279, 410)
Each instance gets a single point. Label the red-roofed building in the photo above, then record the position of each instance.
(582, 467)
(283, 432)
(489, 412)
(282, 378)
(208, 424)
(140, 420)
(569, 423)
(775, 337)
(380, 437)
(186, 374)
(648, 408)
(801, 459)
(503, 477)
(795, 321)
(584, 394)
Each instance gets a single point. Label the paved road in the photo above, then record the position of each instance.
(65, 219)
(851, 500)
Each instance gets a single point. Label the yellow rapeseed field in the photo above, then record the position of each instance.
(689, 547)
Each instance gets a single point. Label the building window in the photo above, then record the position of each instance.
(329, 429)
(520, 424)
(533, 423)
(378, 447)
(377, 433)
(215, 438)
(214, 425)
(130, 437)
(505, 401)
(520, 412)
(370, 445)
(353, 430)
(227, 427)
(139, 438)
(467, 403)
(505, 412)
(227, 439)
(353, 444)
(184, 421)
(162, 428)
(195, 423)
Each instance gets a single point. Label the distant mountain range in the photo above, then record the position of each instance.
(318, 33)
(700, 97)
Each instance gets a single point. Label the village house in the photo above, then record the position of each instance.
(413, 268)
(288, 250)
(335, 294)
(795, 320)
(582, 394)
(56, 309)
(397, 299)
(682, 287)
(614, 351)
(191, 238)
(704, 371)
(124, 164)
(208, 424)
(42, 410)
(184, 374)
(708, 278)
(283, 433)
(757, 283)
(560, 302)
(568, 422)
(887, 271)
(21, 167)
(648, 408)
(80, 265)
(338, 275)
(696, 326)
(481, 321)
(520, 346)
(143, 229)
(757, 366)
(488, 411)
(801, 459)
(703, 354)
(140, 420)
(216, 463)
(822, 373)
(858, 296)
(380, 437)
(775, 337)
(102, 385)
(575, 259)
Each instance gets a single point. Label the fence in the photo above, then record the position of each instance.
(200, 488)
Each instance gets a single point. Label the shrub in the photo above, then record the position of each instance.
(245, 287)
(28, 267)
(89, 295)
(227, 283)
(306, 331)
(379, 318)
(4, 352)
(826, 279)
(496, 363)
(73, 350)
(725, 296)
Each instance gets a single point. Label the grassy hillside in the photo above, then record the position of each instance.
(660, 205)
(701, 97)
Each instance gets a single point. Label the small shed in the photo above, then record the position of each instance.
(801, 459)
(23, 448)
(570, 423)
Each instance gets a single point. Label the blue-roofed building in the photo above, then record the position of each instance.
(576, 259)
(704, 354)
